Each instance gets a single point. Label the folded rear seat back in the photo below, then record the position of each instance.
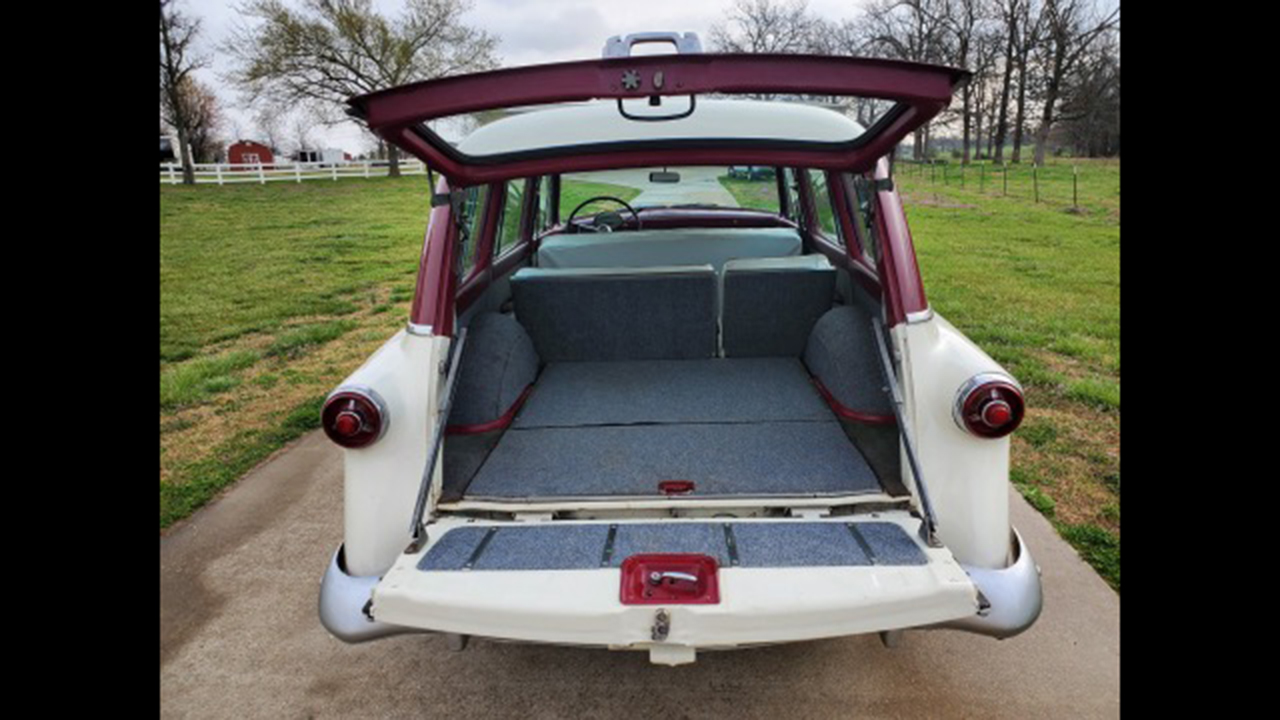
(597, 314)
(769, 305)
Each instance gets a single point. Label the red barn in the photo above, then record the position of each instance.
(247, 152)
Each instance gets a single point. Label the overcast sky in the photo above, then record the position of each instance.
(530, 32)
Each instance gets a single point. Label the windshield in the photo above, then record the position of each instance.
(654, 187)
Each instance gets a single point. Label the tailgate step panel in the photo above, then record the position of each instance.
(738, 544)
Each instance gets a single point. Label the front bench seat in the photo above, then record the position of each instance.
(660, 248)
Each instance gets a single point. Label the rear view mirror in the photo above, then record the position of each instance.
(664, 177)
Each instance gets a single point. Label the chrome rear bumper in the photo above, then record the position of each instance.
(343, 598)
(1013, 593)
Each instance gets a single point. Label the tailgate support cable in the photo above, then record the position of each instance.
(929, 524)
(416, 528)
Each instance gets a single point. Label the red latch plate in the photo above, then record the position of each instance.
(670, 579)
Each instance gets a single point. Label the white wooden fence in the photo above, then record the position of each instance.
(222, 173)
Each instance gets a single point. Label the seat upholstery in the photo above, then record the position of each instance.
(655, 248)
(842, 354)
(769, 305)
(596, 314)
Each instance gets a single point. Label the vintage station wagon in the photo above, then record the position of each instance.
(665, 422)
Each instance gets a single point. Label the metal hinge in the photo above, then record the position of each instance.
(882, 185)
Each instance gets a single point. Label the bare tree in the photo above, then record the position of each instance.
(300, 136)
(1090, 114)
(1026, 40)
(967, 22)
(268, 121)
(177, 61)
(329, 50)
(912, 30)
(1010, 13)
(1071, 27)
(986, 56)
(766, 26)
(204, 120)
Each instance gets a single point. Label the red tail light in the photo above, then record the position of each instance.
(354, 417)
(990, 405)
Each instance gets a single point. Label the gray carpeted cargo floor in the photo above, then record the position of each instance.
(732, 426)
(745, 544)
(672, 391)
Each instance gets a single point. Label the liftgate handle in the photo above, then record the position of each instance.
(656, 578)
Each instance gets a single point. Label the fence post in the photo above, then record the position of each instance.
(297, 172)
(173, 177)
(367, 164)
(218, 169)
(1035, 180)
(1004, 171)
(962, 175)
(262, 177)
(982, 177)
(1075, 187)
(334, 167)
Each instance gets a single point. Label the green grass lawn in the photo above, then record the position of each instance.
(755, 194)
(269, 296)
(1037, 285)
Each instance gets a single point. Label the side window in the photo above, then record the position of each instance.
(509, 228)
(792, 188)
(823, 204)
(863, 198)
(470, 225)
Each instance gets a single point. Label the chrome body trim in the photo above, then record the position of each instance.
(973, 383)
(1014, 595)
(342, 601)
(924, 315)
(422, 330)
(373, 397)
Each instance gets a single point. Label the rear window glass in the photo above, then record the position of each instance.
(570, 128)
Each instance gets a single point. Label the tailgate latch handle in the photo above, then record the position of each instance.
(656, 578)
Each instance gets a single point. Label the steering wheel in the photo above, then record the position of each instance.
(598, 198)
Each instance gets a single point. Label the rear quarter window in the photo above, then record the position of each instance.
(470, 226)
(509, 227)
(862, 200)
(824, 208)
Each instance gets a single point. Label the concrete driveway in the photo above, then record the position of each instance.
(239, 638)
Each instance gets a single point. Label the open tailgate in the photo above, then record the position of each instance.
(675, 586)
(914, 93)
